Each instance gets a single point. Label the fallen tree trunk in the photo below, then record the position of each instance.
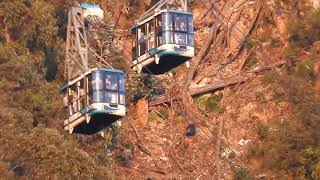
(204, 89)
(218, 84)
(231, 80)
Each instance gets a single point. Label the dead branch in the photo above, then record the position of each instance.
(218, 148)
(142, 146)
(267, 68)
(140, 143)
(176, 161)
(160, 115)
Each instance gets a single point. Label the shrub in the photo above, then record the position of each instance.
(270, 77)
(164, 113)
(262, 130)
(152, 116)
(180, 119)
(305, 31)
(294, 147)
(200, 101)
(242, 174)
(304, 70)
(252, 61)
(277, 92)
(250, 42)
(213, 103)
(209, 104)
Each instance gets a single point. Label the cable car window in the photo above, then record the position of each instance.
(190, 24)
(73, 99)
(122, 99)
(167, 22)
(121, 83)
(151, 36)
(90, 88)
(111, 81)
(142, 39)
(98, 96)
(159, 30)
(180, 38)
(180, 22)
(111, 97)
(168, 37)
(97, 81)
(190, 40)
(134, 46)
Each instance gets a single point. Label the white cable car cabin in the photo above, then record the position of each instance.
(168, 33)
(99, 91)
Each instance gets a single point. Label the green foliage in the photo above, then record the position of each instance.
(152, 117)
(294, 146)
(242, 174)
(262, 130)
(29, 22)
(250, 42)
(304, 70)
(210, 104)
(45, 152)
(164, 113)
(270, 77)
(213, 103)
(179, 119)
(252, 61)
(305, 31)
(18, 69)
(277, 92)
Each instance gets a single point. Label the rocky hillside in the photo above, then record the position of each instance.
(255, 97)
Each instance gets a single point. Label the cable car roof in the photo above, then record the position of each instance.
(81, 76)
(157, 13)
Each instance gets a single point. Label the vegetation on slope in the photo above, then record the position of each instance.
(290, 147)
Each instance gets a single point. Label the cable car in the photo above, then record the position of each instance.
(166, 33)
(99, 91)
(92, 10)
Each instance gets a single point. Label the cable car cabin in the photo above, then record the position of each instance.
(168, 33)
(97, 92)
(92, 10)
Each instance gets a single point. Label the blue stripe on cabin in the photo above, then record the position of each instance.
(165, 53)
(152, 52)
(90, 6)
(92, 111)
(100, 111)
(109, 70)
